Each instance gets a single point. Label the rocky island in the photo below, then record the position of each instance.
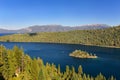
(82, 54)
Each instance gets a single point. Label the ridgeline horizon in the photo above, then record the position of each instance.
(54, 28)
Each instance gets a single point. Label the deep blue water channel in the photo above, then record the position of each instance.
(108, 62)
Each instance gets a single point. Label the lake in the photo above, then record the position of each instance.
(3, 34)
(108, 62)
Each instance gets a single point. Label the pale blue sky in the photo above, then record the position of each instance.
(15, 14)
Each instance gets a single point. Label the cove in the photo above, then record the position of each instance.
(108, 62)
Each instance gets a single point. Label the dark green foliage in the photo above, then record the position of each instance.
(18, 66)
(7, 40)
(32, 34)
(1, 77)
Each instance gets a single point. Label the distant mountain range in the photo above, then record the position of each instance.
(54, 28)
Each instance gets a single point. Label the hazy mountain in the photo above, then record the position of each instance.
(3, 30)
(92, 26)
(55, 28)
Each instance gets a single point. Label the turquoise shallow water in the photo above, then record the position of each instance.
(108, 62)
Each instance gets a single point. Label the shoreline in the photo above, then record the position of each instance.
(66, 43)
(82, 54)
(81, 57)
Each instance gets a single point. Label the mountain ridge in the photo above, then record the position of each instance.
(55, 28)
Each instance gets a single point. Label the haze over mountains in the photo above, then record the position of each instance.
(54, 28)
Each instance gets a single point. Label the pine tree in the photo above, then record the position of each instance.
(84, 77)
(34, 69)
(59, 72)
(112, 78)
(80, 71)
(9, 66)
(19, 56)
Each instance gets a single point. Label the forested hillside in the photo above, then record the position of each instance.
(102, 37)
(15, 65)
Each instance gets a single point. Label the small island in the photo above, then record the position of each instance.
(82, 54)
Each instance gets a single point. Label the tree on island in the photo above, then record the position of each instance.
(35, 69)
(82, 54)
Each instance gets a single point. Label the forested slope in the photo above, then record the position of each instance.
(15, 65)
(102, 37)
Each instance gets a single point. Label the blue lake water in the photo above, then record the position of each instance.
(108, 62)
(3, 34)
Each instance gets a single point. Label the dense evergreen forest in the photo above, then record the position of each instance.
(101, 37)
(15, 65)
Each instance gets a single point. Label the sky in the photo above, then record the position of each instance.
(16, 14)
